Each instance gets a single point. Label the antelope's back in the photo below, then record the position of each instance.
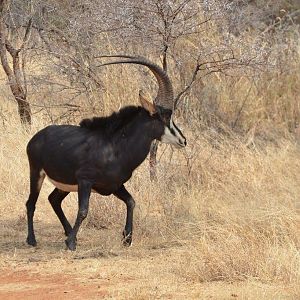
(59, 150)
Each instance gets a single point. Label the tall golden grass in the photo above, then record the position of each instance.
(230, 202)
(234, 210)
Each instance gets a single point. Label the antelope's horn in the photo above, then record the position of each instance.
(165, 95)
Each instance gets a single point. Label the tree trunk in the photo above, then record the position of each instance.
(24, 111)
(14, 73)
(153, 161)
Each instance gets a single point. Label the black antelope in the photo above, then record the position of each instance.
(100, 155)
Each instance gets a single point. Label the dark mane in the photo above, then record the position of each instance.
(112, 123)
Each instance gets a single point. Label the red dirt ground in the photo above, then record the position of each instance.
(20, 285)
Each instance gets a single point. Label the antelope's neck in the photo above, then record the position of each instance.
(135, 146)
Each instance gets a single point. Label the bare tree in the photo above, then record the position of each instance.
(15, 72)
(159, 25)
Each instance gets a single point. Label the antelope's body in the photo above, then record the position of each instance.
(106, 158)
(98, 156)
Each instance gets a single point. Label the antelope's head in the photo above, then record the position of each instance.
(163, 105)
(171, 134)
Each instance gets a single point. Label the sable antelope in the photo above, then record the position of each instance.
(100, 154)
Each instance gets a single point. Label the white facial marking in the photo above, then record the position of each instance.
(168, 137)
(173, 136)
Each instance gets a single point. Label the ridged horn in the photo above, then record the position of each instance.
(165, 95)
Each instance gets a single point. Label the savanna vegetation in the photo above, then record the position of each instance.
(218, 220)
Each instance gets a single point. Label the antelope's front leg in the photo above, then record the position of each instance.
(123, 195)
(84, 192)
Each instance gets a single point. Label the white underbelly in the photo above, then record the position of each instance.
(63, 186)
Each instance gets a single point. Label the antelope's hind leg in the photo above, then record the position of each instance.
(55, 199)
(37, 177)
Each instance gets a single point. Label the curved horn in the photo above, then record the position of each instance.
(165, 95)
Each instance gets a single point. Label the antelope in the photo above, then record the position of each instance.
(100, 154)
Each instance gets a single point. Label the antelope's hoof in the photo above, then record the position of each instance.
(71, 244)
(31, 241)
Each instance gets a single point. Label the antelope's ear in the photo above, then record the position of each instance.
(148, 105)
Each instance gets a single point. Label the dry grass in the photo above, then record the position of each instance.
(222, 221)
